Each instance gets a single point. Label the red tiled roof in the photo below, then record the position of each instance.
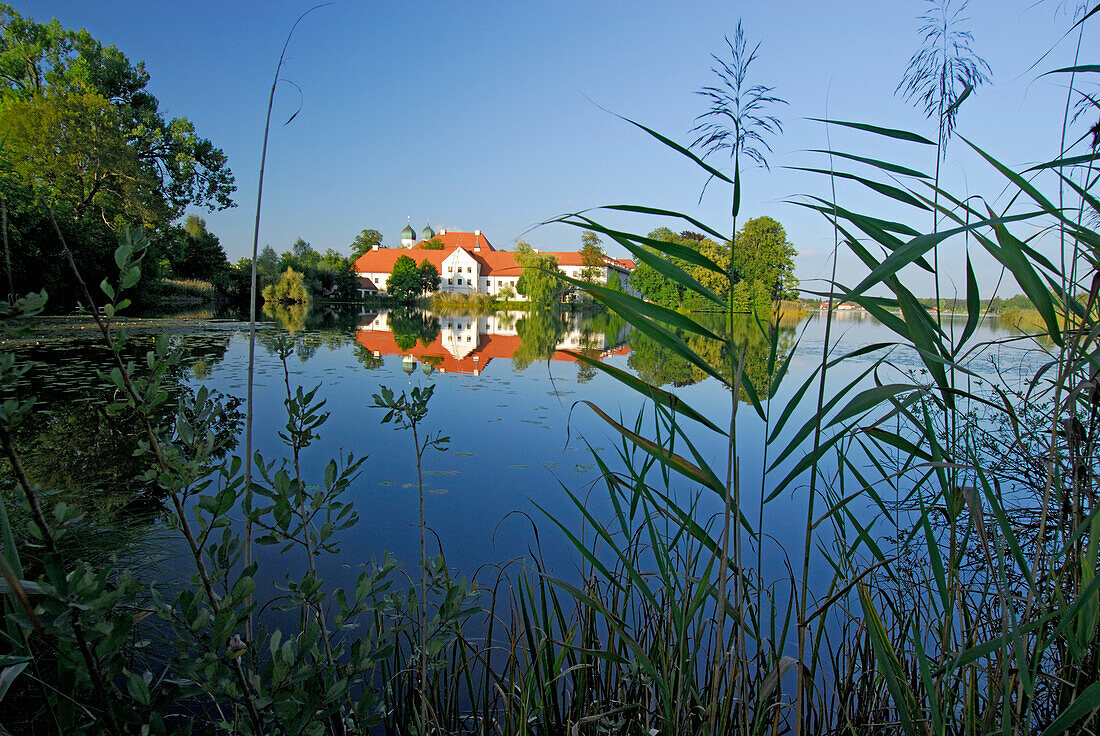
(365, 283)
(498, 263)
(382, 260)
(493, 262)
(454, 239)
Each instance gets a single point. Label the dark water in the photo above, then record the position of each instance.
(506, 394)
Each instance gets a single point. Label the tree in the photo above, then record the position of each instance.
(303, 254)
(44, 60)
(539, 279)
(193, 251)
(429, 277)
(72, 150)
(654, 285)
(763, 260)
(406, 281)
(433, 244)
(82, 134)
(290, 289)
(365, 242)
(267, 267)
(592, 257)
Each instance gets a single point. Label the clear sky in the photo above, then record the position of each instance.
(482, 114)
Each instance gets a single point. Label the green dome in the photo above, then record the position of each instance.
(427, 233)
(408, 233)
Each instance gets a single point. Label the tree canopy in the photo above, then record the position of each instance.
(406, 281)
(365, 242)
(762, 269)
(539, 279)
(84, 138)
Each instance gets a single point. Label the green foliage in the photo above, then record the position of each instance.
(407, 281)
(433, 244)
(365, 242)
(193, 251)
(592, 256)
(539, 280)
(762, 268)
(429, 277)
(289, 289)
(82, 133)
(763, 260)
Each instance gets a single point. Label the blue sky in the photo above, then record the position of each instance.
(483, 114)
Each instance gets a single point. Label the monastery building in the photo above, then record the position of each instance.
(468, 264)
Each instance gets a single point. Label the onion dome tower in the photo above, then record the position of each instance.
(427, 233)
(408, 236)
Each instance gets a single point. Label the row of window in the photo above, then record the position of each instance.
(469, 269)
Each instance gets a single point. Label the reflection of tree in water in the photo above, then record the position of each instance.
(599, 331)
(539, 333)
(410, 325)
(75, 444)
(367, 358)
(292, 317)
(310, 328)
(659, 366)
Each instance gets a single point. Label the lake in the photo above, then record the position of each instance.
(507, 395)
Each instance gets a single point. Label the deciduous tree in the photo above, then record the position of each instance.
(365, 242)
(539, 279)
(405, 282)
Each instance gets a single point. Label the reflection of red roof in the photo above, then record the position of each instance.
(436, 353)
(489, 347)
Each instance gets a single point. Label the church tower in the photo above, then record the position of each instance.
(408, 236)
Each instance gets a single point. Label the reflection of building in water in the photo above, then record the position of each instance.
(468, 343)
(468, 264)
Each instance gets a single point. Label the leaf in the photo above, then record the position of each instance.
(889, 665)
(885, 189)
(662, 397)
(8, 675)
(903, 135)
(955, 105)
(1082, 705)
(869, 399)
(884, 165)
(973, 305)
(677, 147)
(704, 477)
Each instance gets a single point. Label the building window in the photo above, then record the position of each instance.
(460, 281)
(450, 281)
(469, 269)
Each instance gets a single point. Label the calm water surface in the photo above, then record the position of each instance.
(505, 394)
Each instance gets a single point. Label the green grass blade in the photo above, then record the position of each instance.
(903, 135)
(884, 165)
(1082, 705)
